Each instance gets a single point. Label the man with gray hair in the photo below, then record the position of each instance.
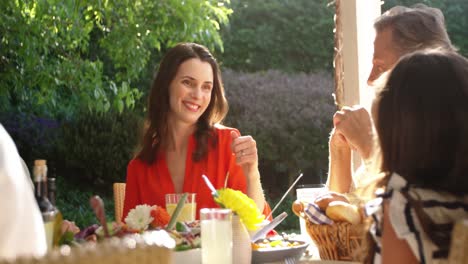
(399, 31)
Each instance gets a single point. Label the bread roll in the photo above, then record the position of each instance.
(298, 208)
(323, 200)
(340, 211)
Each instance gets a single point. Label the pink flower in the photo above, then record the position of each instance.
(69, 226)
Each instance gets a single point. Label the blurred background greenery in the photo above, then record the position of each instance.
(74, 77)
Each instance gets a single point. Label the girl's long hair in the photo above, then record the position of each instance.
(422, 128)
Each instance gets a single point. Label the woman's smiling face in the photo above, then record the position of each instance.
(190, 91)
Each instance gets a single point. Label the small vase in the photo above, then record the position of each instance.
(241, 246)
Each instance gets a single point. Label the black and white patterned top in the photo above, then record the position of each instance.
(441, 207)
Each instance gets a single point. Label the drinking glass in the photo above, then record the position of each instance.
(308, 193)
(188, 212)
(216, 235)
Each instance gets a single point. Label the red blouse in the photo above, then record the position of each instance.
(149, 183)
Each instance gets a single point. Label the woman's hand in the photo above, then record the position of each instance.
(245, 149)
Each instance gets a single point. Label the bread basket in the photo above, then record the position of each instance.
(339, 241)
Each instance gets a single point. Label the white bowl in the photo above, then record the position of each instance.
(278, 254)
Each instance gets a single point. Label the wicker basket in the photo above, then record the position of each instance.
(340, 241)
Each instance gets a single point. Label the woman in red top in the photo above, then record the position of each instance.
(183, 139)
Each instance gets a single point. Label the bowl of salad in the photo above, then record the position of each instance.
(188, 243)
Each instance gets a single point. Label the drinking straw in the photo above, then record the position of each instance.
(212, 188)
(226, 179)
(177, 211)
(284, 196)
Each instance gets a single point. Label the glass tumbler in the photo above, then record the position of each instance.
(188, 212)
(216, 235)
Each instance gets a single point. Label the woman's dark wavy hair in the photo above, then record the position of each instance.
(422, 121)
(422, 127)
(158, 103)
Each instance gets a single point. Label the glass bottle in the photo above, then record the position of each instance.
(45, 206)
(51, 185)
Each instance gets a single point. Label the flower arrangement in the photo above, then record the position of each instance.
(242, 205)
(143, 216)
(139, 219)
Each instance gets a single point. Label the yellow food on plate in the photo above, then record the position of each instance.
(279, 243)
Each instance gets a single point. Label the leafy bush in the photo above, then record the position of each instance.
(35, 137)
(73, 203)
(95, 149)
(41, 138)
(289, 115)
(292, 36)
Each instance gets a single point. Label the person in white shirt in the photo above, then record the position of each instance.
(21, 227)
(399, 31)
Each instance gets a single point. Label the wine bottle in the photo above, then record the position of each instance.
(40, 184)
(45, 206)
(51, 185)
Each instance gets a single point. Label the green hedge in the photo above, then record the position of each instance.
(287, 35)
(289, 116)
(89, 154)
(94, 150)
(73, 203)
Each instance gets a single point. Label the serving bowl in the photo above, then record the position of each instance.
(275, 254)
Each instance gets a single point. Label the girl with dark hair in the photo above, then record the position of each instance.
(421, 122)
(183, 139)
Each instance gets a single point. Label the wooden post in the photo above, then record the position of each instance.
(338, 57)
(354, 36)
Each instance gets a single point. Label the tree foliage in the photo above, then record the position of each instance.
(59, 57)
(288, 35)
(297, 35)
